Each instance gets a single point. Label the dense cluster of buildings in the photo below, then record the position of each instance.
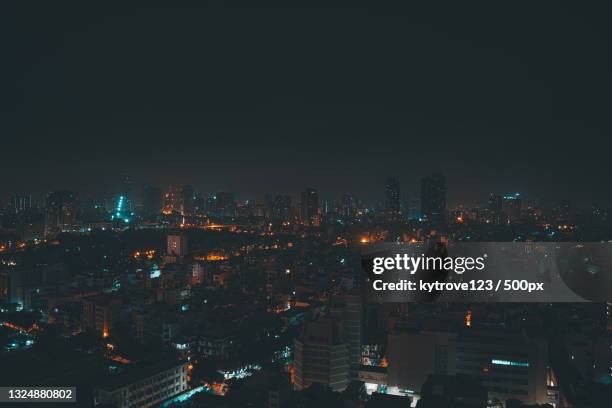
(259, 304)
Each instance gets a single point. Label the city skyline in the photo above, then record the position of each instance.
(234, 204)
(92, 98)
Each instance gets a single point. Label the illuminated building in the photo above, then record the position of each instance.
(511, 206)
(28, 286)
(433, 198)
(310, 214)
(127, 191)
(144, 385)
(350, 205)
(508, 363)
(218, 343)
(31, 226)
(169, 202)
(60, 213)
(177, 244)
(321, 355)
(392, 198)
(21, 203)
(221, 204)
(122, 211)
(198, 273)
(100, 314)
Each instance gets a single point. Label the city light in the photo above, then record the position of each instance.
(509, 363)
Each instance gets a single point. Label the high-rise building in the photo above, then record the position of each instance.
(152, 200)
(348, 309)
(60, 212)
(512, 207)
(21, 203)
(310, 214)
(281, 207)
(495, 208)
(177, 244)
(187, 199)
(510, 364)
(321, 355)
(199, 203)
(221, 204)
(170, 204)
(349, 205)
(392, 198)
(127, 192)
(121, 211)
(31, 226)
(269, 204)
(433, 198)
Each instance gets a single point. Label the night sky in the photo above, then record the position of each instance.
(498, 97)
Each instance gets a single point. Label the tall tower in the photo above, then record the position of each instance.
(122, 211)
(21, 203)
(187, 199)
(321, 355)
(392, 198)
(310, 208)
(512, 206)
(127, 192)
(433, 198)
(169, 201)
(348, 309)
(60, 212)
(495, 208)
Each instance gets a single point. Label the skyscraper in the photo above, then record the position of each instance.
(187, 199)
(392, 198)
(309, 213)
(121, 211)
(512, 206)
(321, 355)
(127, 192)
(281, 207)
(349, 205)
(21, 203)
(221, 204)
(169, 201)
(433, 198)
(348, 309)
(60, 212)
(495, 208)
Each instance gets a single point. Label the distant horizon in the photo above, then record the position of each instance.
(169, 95)
(377, 202)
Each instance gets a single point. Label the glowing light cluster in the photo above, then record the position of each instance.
(509, 363)
(121, 210)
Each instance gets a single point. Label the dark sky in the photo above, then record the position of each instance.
(498, 97)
